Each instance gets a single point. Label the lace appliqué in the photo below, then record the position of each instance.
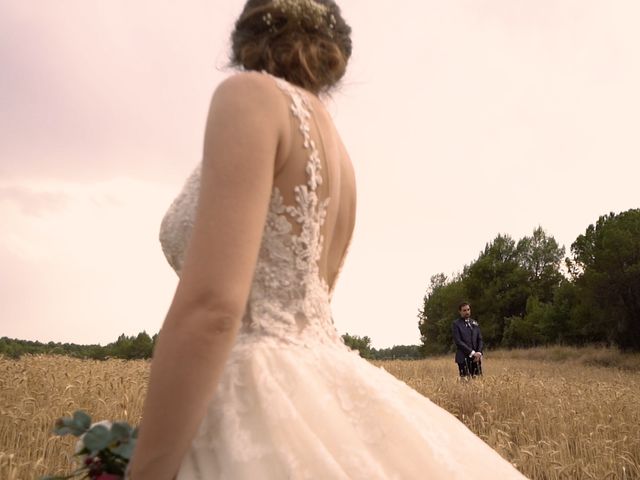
(289, 299)
(177, 223)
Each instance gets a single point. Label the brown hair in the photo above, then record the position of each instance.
(309, 54)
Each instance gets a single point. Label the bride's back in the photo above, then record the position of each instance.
(325, 158)
(309, 222)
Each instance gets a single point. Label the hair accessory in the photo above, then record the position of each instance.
(304, 13)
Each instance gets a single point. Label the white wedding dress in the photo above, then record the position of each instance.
(294, 402)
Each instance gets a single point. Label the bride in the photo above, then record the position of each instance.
(250, 379)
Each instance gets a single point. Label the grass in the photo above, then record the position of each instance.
(557, 413)
(590, 356)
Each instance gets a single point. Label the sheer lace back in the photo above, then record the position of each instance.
(289, 298)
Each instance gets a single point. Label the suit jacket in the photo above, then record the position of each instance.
(466, 339)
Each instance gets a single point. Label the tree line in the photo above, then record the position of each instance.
(141, 347)
(127, 348)
(397, 352)
(527, 293)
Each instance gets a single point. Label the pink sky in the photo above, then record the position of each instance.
(464, 119)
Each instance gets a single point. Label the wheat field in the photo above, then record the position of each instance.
(552, 419)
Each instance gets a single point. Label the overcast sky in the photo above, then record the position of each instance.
(464, 119)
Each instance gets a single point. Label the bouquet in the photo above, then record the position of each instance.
(104, 447)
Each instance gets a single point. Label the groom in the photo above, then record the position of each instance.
(468, 340)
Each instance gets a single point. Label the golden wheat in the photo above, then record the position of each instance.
(554, 420)
(36, 390)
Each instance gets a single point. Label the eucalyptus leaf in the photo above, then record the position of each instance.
(121, 431)
(82, 420)
(68, 425)
(125, 450)
(98, 438)
(62, 431)
(82, 452)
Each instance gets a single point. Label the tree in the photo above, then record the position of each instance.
(362, 344)
(405, 352)
(439, 309)
(530, 330)
(125, 347)
(497, 287)
(142, 346)
(541, 257)
(606, 269)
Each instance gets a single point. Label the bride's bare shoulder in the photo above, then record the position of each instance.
(246, 87)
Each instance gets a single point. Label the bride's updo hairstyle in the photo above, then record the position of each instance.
(306, 42)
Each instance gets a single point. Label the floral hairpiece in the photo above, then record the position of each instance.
(307, 12)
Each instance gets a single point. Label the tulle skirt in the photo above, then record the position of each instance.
(319, 411)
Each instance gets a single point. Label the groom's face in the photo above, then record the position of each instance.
(465, 311)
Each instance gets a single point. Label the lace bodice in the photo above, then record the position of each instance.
(288, 301)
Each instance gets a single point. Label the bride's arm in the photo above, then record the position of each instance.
(244, 129)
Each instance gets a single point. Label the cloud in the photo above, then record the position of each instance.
(34, 203)
(91, 91)
(82, 261)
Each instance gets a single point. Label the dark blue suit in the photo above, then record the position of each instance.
(467, 339)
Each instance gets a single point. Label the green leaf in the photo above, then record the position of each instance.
(68, 425)
(62, 431)
(81, 453)
(135, 432)
(98, 438)
(82, 420)
(125, 450)
(120, 431)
